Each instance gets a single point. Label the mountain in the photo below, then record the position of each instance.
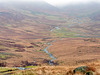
(84, 9)
(36, 6)
(87, 18)
(14, 16)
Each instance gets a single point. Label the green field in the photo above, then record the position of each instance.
(63, 32)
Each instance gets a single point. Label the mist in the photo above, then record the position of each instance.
(56, 2)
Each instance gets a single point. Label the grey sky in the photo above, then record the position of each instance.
(59, 2)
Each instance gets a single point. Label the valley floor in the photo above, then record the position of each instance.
(74, 51)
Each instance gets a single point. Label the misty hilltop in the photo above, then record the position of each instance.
(81, 19)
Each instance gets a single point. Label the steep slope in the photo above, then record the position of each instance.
(16, 17)
(82, 9)
(34, 7)
(86, 18)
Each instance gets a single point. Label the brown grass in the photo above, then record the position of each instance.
(61, 70)
(73, 51)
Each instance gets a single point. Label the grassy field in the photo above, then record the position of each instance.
(64, 33)
(94, 67)
(71, 51)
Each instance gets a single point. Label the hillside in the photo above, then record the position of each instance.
(41, 16)
(21, 19)
(86, 18)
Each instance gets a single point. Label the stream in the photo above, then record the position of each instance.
(53, 58)
(46, 51)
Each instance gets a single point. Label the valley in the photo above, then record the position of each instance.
(39, 35)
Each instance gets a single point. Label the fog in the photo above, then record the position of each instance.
(57, 2)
